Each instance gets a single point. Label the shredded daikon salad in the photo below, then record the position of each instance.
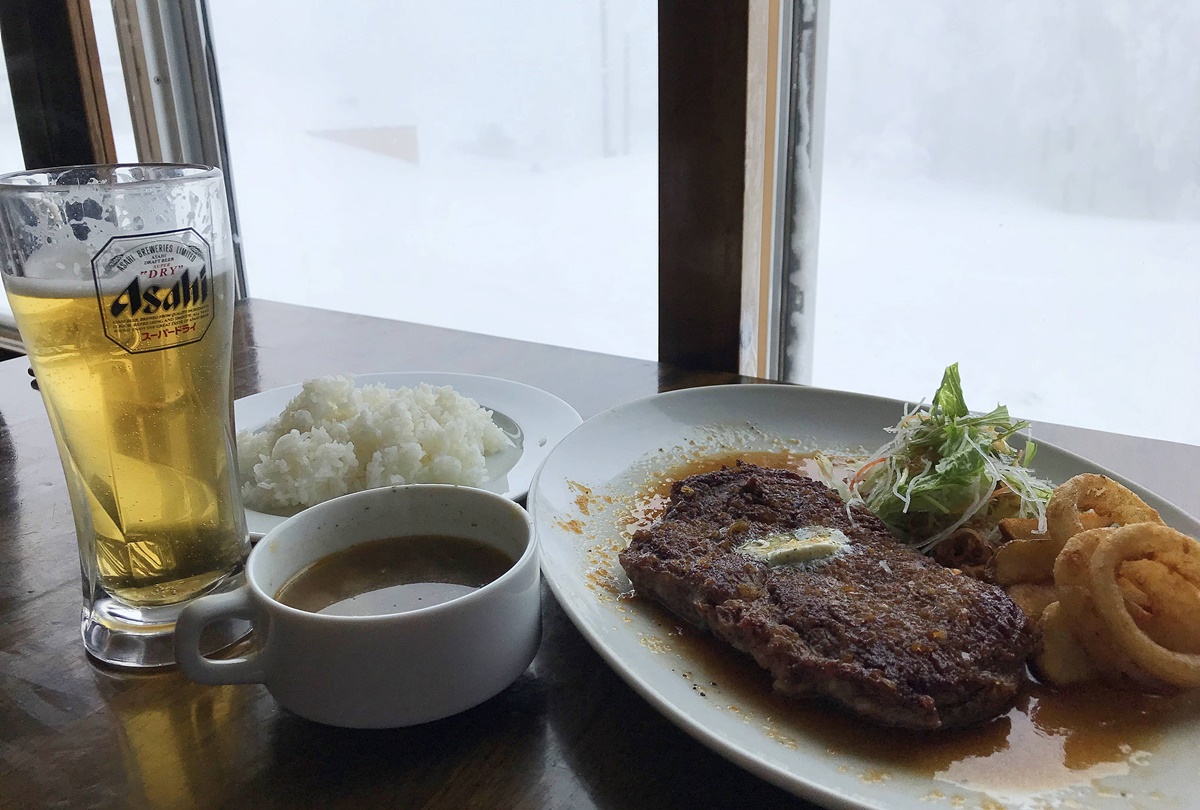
(947, 468)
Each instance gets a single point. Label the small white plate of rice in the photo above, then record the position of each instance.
(306, 443)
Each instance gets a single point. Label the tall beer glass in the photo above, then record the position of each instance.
(121, 280)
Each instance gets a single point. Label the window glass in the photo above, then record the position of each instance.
(1014, 186)
(114, 82)
(11, 159)
(483, 166)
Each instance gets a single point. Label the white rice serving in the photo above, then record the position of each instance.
(333, 438)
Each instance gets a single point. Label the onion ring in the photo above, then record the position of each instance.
(1078, 610)
(1112, 502)
(1087, 575)
(1083, 503)
(1163, 602)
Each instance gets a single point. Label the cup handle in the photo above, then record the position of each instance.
(191, 623)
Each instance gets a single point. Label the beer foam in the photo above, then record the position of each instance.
(69, 261)
(67, 273)
(49, 288)
(62, 270)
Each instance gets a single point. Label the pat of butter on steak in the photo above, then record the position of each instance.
(872, 625)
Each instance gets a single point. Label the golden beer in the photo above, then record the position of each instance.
(121, 280)
(144, 432)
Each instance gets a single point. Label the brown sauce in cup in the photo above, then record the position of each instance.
(394, 575)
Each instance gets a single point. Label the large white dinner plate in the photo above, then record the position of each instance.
(579, 501)
(534, 419)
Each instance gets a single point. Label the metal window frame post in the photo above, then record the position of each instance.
(785, 116)
(174, 95)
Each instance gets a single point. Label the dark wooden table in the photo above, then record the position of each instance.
(568, 734)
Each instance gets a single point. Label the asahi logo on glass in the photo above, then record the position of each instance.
(154, 289)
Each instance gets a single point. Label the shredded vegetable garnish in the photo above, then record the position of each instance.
(947, 468)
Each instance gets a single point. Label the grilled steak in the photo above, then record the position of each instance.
(881, 630)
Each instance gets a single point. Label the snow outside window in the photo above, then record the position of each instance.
(1014, 185)
(483, 166)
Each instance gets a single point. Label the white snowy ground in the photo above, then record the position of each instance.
(1079, 320)
(564, 255)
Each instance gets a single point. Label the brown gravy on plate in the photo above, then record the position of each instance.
(1051, 738)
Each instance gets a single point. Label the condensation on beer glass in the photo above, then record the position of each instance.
(120, 279)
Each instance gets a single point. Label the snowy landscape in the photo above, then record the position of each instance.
(1012, 186)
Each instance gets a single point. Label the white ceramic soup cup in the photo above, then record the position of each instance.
(388, 670)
